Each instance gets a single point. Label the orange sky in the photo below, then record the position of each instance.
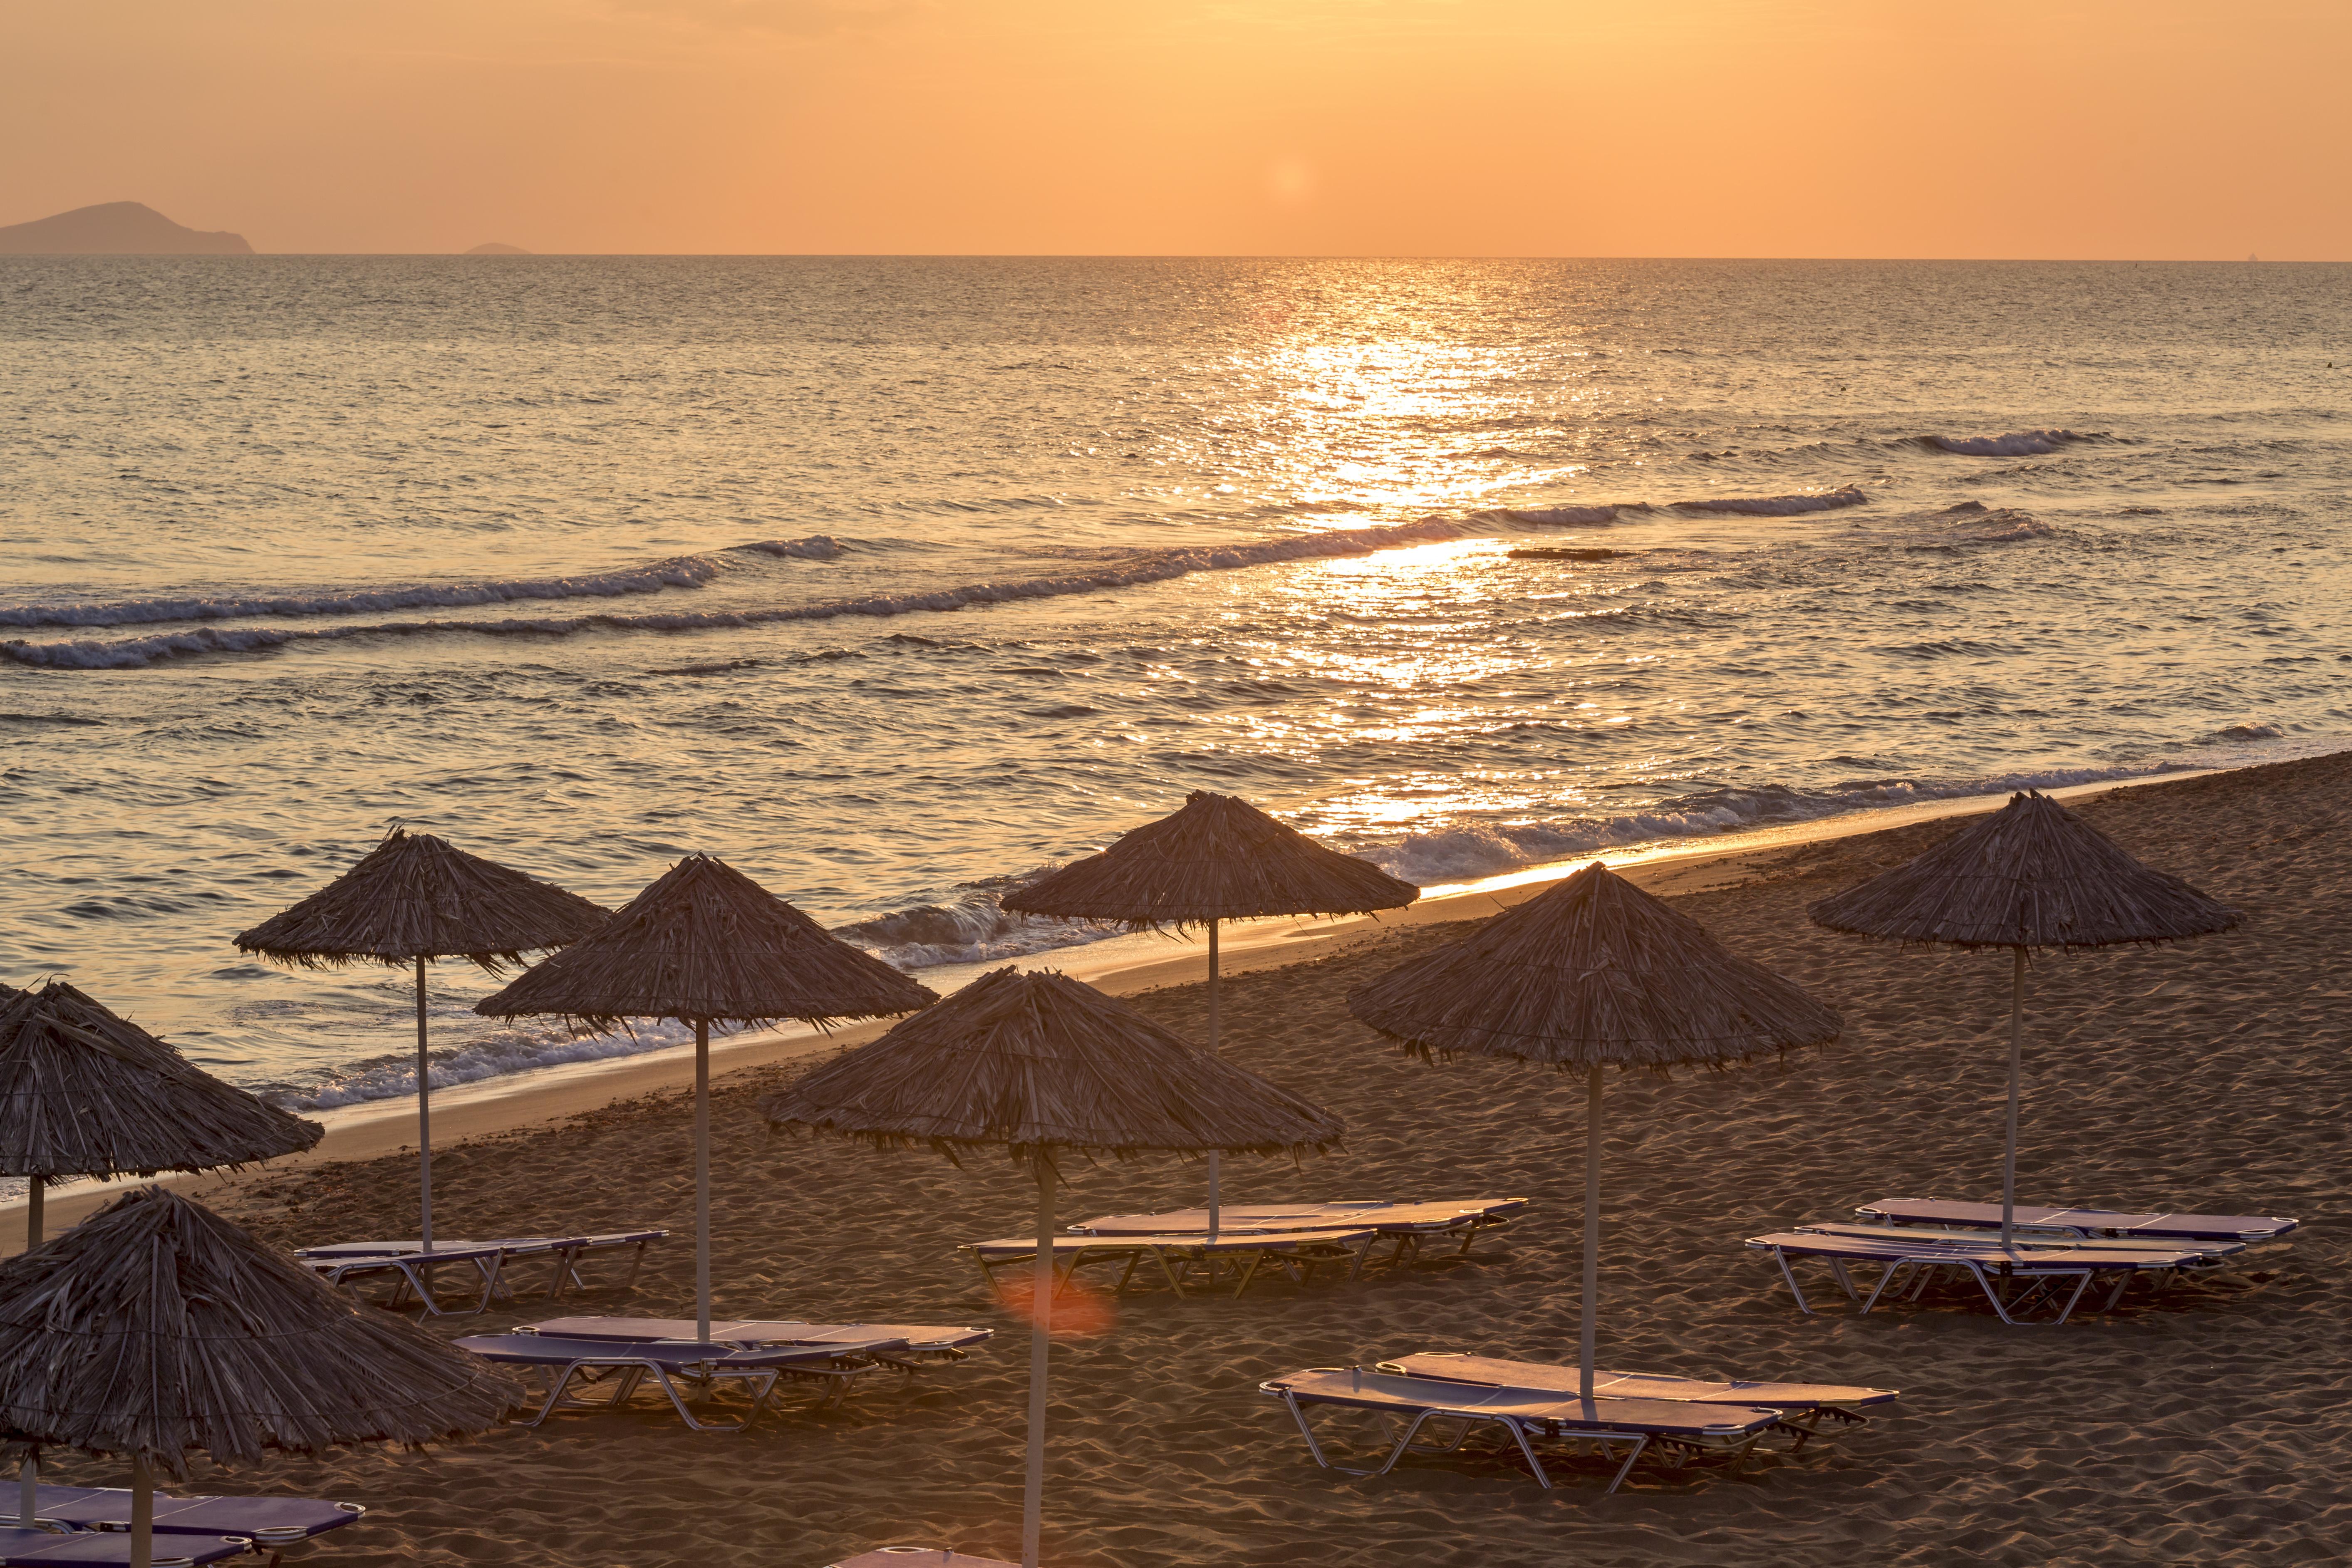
(2112, 128)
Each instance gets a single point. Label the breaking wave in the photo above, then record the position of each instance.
(1156, 566)
(815, 547)
(496, 1056)
(680, 572)
(971, 929)
(2014, 443)
(1778, 506)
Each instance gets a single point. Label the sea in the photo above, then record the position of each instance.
(891, 581)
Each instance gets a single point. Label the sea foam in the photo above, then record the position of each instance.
(1778, 506)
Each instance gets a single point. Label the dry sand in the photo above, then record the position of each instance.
(2203, 1428)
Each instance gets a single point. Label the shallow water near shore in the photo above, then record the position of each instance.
(890, 580)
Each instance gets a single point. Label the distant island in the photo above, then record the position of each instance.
(496, 249)
(115, 228)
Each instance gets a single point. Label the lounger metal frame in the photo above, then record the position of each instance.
(415, 1270)
(1522, 1430)
(628, 1373)
(162, 1557)
(2045, 1279)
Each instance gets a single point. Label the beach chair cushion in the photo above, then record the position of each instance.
(670, 1356)
(21, 1548)
(1388, 1218)
(2097, 1222)
(925, 1337)
(1990, 1253)
(1396, 1395)
(272, 1521)
(1453, 1366)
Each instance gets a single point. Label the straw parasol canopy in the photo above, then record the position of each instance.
(1038, 1062)
(411, 899)
(705, 944)
(1216, 858)
(155, 1329)
(415, 896)
(1042, 1064)
(84, 1092)
(1592, 973)
(2030, 875)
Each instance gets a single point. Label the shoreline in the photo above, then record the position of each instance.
(1122, 965)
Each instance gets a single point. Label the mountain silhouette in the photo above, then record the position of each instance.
(115, 228)
(495, 248)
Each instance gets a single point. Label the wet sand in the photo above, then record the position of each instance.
(2203, 1427)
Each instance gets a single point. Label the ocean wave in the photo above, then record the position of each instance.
(2013, 444)
(1778, 506)
(1562, 516)
(680, 572)
(972, 929)
(1467, 853)
(1155, 566)
(494, 1055)
(815, 547)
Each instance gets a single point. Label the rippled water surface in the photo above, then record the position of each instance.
(886, 579)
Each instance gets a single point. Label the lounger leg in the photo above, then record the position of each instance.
(1250, 1272)
(1781, 1258)
(1837, 1266)
(2123, 1278)
(1518, 1430)
(1894, 1271)
(636, 1267)
(1173, 1283)
(1984, 1282)
(1363, 1255)
(1640, 1442)
(1308, 1432)
(1132, 1260)
(2081, 1285)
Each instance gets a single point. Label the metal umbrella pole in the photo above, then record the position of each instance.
(424, 1118)
(702, 1179)
(1041, 1343)
(1592, 1325)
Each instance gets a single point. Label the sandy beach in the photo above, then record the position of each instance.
(2210, 1076)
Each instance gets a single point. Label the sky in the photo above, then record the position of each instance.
(2140, 128)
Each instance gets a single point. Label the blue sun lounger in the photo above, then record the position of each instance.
(2043, 1269)
(354, 1259)
(702, 1364)
(63, 1548)
(412, 1269)
(2161, 1228)
(920, 1557)
(1803, 1406)
(1683, 1429)
(265, 1520)
(903, 1345)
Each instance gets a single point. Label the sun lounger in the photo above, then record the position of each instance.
(568, 1253)
(63, 1548)
(703, 1365)
(2208, 1252)
(2252, 1229)
(265, 1520)
(2044, 1270)
(920, 1557)
(1295, 1253)
(1682, 1429)
(415, 1271)
(1406, 1225)
(1803, 1406)
(909, 1345)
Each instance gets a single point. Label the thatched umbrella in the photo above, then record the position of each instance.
(2032, 875)
(411, 899)
(705, 944)
(1592, 973)
(155, 1329)
(84, 1092)
(1042, 1065)
(1216, 858)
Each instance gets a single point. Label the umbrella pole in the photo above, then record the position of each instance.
(423, 1117)
(2016, 1063)
(702, 1179)
(142, 1513)
(1212, 1051)
(1592, 1335)
(29, 1473)
(1040, 1343)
